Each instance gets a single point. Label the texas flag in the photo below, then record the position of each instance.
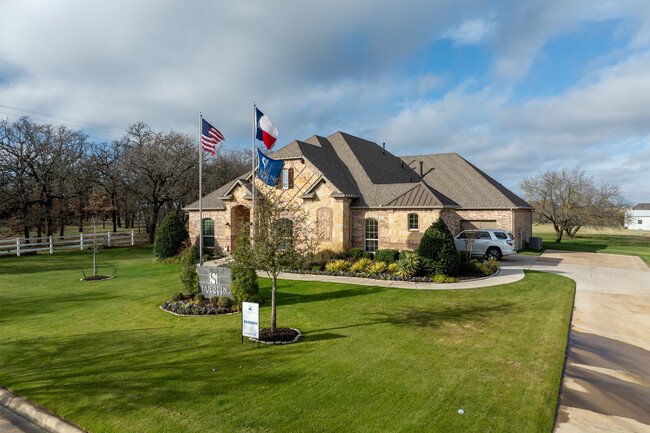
(266, 131)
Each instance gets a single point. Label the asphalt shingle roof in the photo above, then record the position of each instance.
(642, 206)
(372, 177)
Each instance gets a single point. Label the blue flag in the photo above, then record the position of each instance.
(269, 169)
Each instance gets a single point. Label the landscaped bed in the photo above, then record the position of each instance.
(371, 358)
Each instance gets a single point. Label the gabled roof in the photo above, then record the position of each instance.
(642, 206)
(373, 177)
(471, 188)
(214, 200)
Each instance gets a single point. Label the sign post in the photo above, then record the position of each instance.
(250, 320)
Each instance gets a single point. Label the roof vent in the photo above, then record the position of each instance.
(384, 145)
(421, 169)
(402, 165)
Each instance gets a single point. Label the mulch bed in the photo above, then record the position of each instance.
(97, 278)
(281, 335)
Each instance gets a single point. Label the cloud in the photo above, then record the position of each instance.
(471, 32)
(600, 124)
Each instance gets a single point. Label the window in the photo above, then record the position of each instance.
(640, 222)
(208, 233)
(414, 221)
(484, 235)
(286, 179)
(500, 235)
(284, 232)
(372, 235)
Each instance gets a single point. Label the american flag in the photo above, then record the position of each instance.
(210, 136)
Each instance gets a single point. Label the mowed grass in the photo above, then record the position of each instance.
(588, 239)
(103, 355)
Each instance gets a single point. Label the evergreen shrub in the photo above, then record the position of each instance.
(356, 253)
(437, 245)
(387, 256)
(243, 275)
(170, 237)
(188, 274)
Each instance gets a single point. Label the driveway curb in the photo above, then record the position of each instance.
(36, 414)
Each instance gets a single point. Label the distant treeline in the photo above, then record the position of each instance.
(51, 176)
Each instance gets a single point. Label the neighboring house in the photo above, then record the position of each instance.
(361, 195)
(638, 218)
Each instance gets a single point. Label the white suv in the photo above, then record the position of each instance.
(489, 243)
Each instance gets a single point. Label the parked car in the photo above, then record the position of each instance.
(488, 243)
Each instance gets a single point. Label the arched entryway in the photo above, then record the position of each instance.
(239, 216)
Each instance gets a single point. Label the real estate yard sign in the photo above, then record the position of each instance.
(250, 320)
(214, 281)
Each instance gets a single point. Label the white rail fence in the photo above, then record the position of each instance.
(81, 241)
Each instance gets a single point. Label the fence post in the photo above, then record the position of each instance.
(132, 239)
(18, 247)
(109, 239)
(81, 237)
(51, 246)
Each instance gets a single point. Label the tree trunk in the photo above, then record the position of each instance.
(558, 235)
(26, 232)
(114, 220)
(62, 230)
(273, 290)
(81, 223)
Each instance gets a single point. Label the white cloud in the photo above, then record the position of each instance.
(471, 32)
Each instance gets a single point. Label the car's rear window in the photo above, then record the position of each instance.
(500, 235)
(510, 236)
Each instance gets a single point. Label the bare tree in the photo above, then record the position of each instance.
(570, 200)
(159, 170)
(280, 238)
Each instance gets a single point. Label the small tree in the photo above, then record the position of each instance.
(438, 249)
(188, 274)
(170, 237)
(98, 206)
(280, 238)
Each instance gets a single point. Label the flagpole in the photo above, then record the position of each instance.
(253, 155)
(200, 192)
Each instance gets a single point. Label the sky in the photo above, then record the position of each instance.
(515, 87)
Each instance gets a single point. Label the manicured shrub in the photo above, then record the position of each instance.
(343, 254)
(316, 268)
(170, 237)
(243, 275)
(409, 264)
(325, 255)
(356, 253)
(361, 265)
(377, 268)
(224, 302)
(392, 268)
(444, 279)
(467, 268)
(368, 255)
(437, 245)
(387, 256)
(176, 297)
(337, 266)
(199, 297)
(188, 274)
(488, 268)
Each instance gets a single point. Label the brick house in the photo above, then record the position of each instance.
(363, 196)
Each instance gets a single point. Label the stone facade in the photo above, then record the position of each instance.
(394, 232)
(340, 227)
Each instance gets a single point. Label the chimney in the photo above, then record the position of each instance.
(384, 145)
(421, 169)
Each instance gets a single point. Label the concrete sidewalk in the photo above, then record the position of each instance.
(18, 415)
(606, 383)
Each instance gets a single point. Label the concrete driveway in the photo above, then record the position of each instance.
(606, 384)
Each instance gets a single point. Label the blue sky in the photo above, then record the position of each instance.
(516, 87)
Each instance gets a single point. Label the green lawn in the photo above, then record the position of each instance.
(372, 359)
(612, 241)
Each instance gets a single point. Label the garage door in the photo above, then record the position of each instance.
(478, 224)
